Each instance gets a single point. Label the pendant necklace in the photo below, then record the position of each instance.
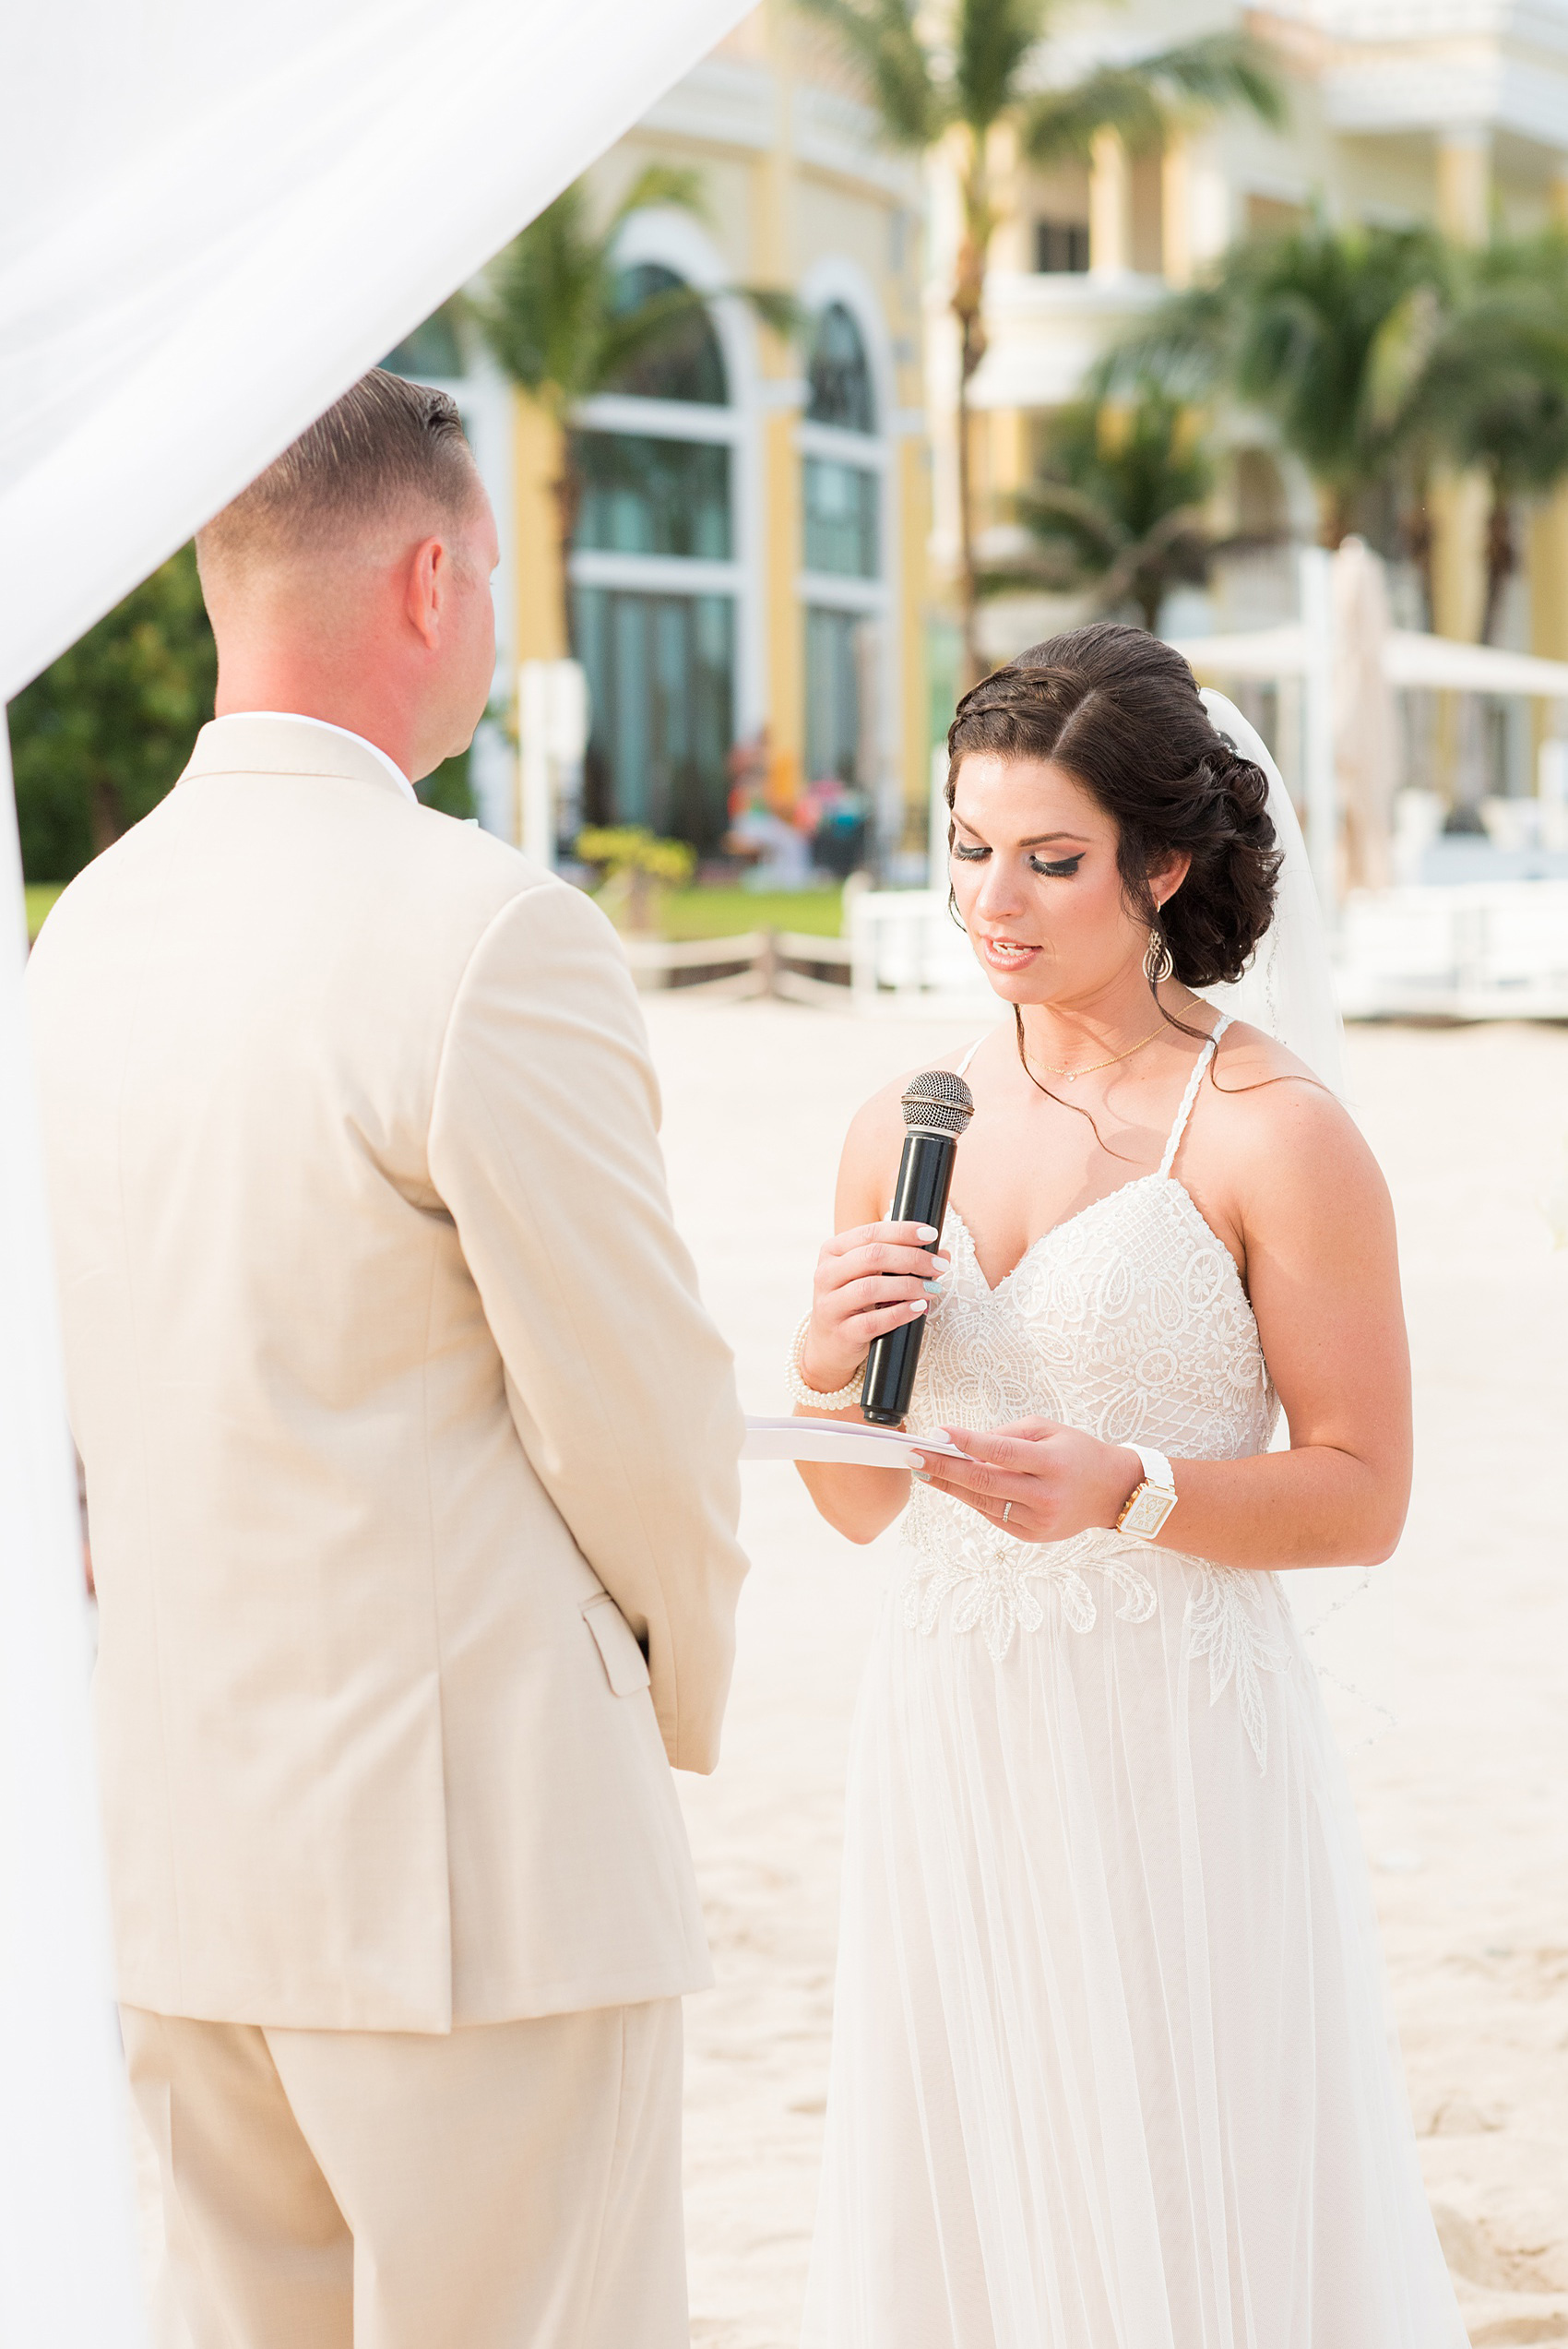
(1071, 1076)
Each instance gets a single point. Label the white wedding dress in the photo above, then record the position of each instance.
(1111, 2066)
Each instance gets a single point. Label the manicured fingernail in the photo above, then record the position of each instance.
(919, 1477)
(916, 1462)
(932, 1288)
(927, 1231)
(917, 1308)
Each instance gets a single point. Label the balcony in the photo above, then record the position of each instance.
(1046, 331)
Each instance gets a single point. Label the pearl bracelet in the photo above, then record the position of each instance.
(842, 1398)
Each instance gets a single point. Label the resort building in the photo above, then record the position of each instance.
(1453, 112)
(748, 579)
(760, 583)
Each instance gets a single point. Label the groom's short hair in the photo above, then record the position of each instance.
(387, 449)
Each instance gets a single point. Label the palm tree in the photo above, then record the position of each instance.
(1329, 330)
(973, 74)
(567, 321)
(1118, 506)
(1492, 393)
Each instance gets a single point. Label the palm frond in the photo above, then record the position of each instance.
(1143, 98)
(781, 311)
(1221, 69)
(628, 335)
(1400, 357)
(540, 306)
(1493, 389)
(1049, 509)
(1060, 125)
(674, 185)
(1183, 351)
(880, 36)
(991, 42)
(1175, 547)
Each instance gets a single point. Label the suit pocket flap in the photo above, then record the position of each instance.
(625, 1663)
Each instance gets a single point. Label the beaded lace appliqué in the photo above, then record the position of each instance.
(993, 1589)
(1223, 1625)
(1128, 1321)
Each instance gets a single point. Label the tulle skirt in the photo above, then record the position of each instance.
(1112, 2066)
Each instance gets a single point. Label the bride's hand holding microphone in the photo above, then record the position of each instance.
(868, 1281)
(1035, 1480)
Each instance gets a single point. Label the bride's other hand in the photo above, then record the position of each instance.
(868, 1281)
(1051, 1482)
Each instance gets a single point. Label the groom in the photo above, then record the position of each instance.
(411, 1462)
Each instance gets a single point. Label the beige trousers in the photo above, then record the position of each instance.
(514, 2187)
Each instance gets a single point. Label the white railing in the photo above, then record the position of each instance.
(1486, 950)
(755, 962)
(905, 949)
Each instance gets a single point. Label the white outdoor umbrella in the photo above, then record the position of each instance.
(1366, 726)
(213, 218)
(1349, 737)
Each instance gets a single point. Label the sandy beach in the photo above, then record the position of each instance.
(1464, 1636)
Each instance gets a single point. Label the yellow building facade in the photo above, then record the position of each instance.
(749, 570)
(1455, 117)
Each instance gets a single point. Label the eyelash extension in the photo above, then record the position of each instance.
(1063, 869)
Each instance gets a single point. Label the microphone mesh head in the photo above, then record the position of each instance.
(939, 1101)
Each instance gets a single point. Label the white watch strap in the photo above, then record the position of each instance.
(1156, 1468)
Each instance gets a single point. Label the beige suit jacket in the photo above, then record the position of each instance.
(397, 1406)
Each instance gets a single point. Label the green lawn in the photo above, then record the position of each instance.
(688, 914)
(41, 896)
(726, 913)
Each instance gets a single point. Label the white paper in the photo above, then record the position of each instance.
(848, 1442)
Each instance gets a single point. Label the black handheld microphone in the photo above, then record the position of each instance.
(937, 1107)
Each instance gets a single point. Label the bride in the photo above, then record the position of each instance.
(1111, 2064)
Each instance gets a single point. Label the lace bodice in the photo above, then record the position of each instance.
(1128, 1320)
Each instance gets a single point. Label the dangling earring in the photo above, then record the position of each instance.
(1158, 962)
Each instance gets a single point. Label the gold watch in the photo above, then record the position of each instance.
(1149, 1504)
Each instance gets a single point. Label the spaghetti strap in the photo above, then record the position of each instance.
(1190, 1096)
(962, 1069)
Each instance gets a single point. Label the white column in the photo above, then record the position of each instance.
(938, 854)
(538, 812)
(68, 2274)
(1110, 205)
(1176, 210)
(552, 724)
(1317, 575)
(1464, 182)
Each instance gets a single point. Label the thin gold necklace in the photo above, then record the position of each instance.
(1071, 1076)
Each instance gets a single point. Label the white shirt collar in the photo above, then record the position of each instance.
(297, 718)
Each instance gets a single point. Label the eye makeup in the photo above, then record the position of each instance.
(1060, 868)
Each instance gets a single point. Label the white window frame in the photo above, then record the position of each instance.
(674, 241)
(838, 280)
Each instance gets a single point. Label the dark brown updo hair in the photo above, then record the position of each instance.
(1120, 712)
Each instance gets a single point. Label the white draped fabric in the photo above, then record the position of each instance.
(213, 217)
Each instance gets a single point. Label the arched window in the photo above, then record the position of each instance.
(432, 350)
(654, 575)
(684, 363)
(841, 491)
(839, 376)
